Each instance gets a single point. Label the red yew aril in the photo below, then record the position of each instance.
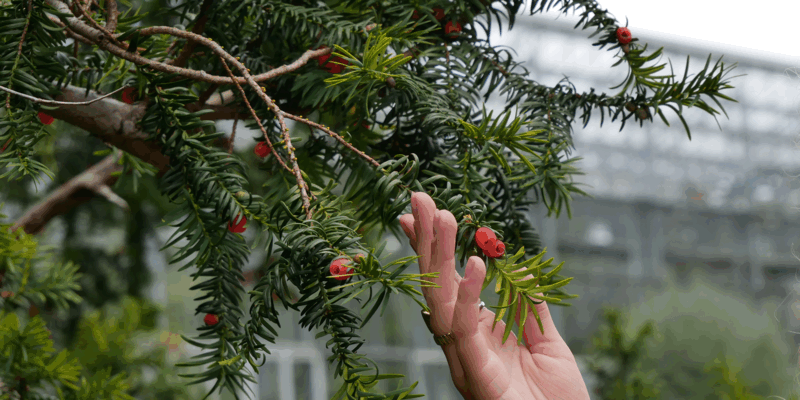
(129, 95)
(238, 228)
(484, 236)
(438, 13)
(262, 149)
(330, 66)
(624, 35)
(6, 294)
(46, 119)
(452, 29)
(415, 15)
(500, 249)
(211, 319)
(324, 58)
(489, 248)
(494, 249)
(338, 268)
(336, 68)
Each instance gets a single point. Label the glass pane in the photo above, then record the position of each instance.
(302, 381)
(268, 382)
(440, 385)
(391, 367)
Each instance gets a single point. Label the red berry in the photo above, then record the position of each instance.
(451, 28)
(210, 319)
(499, 249)
(438, 13)
(490, 248)
(262, 149)
(338, 268)
(46, 119)
(483, 237)
(6, 294)
(324, 58)
(415, 15)
(336, 68)
(238, 228)
(129, 95)
(624, 35)
(494, 249)
(363, 124)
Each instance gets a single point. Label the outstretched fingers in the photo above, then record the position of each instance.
(423, 209)
(466, 313)
(407, 223)
(484, 370)
(443, 261)
(535, 340)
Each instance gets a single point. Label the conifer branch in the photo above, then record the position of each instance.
(102, 41)
(71, 194)
(208, 185)
(97, 25)
(105, 191)
(288, 141)
(63, 103)
(19, 52)
(69, 32)
(333, 135)
(111, 15)
(198, 29)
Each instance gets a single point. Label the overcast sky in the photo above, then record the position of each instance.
(752, 28)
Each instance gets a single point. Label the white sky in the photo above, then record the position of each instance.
(753, 28)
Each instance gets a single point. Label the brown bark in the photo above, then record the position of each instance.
(115, 123)
(198, 28)
(78, 190)
(111, 121)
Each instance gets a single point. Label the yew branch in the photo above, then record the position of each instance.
(198, 28)
(78, 190)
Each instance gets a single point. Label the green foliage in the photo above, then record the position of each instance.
(515, 292)
(618, 365)
(29, 275)
(28, 352)
(27, 349)
(431, 140)
(113, 344)
(661, 348)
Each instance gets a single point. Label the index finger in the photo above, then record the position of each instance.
(423, 208)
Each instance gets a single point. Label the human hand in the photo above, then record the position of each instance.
(482, 367)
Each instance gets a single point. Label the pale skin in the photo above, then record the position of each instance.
(482, 368)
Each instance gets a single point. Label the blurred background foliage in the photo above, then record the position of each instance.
(693, 341)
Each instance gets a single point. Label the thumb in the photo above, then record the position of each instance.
(481, 368)
(466, 311)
